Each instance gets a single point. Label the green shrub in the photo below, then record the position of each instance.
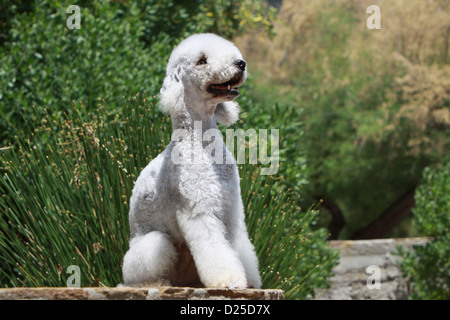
(291, 255)
(64, 201)
(375, 103)
(121, 48)
(260, 112)
(46, 65)
(178, 19)
(428, 266)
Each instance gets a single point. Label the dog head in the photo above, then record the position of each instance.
(204, 70)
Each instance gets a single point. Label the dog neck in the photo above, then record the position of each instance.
(186, 116)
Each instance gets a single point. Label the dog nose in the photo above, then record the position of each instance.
(240, 64)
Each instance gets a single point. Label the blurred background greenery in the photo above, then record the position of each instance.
(364, 120)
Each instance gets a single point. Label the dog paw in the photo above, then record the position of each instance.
(255, 282)
(230, 282)
(235, 287)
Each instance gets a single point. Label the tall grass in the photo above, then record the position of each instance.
(65, 192)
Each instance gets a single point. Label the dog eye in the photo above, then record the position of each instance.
(201, 61)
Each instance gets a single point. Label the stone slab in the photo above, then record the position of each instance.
(351, 276)
(129, 293)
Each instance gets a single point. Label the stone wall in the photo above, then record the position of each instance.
(127, 293)
(368, 269)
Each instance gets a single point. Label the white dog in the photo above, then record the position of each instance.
(187, 217)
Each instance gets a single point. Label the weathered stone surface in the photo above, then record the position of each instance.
(350, 280)
(43, 294)
(128, 293)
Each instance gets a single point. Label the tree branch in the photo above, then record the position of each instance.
(388, 219)
(337, 218)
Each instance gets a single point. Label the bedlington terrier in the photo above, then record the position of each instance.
(187, 217)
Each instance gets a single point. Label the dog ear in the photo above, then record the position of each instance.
(227, 113)
(172, 91)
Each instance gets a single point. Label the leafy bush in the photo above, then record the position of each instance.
(46, 65)
(121, 48)
(428, 266)
(64, 201)
(178, 19)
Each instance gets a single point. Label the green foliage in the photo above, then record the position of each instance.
(178, 19)
(261, 109)
(297, 259)
(428, 266)
(8, 9)
(46, 65)
(343, 141)
(65, 195)
(121, 48)
(294, 258)
(375, 113)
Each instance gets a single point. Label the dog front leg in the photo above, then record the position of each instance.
(218, 265)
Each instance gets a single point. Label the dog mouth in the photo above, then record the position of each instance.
(229, 88)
